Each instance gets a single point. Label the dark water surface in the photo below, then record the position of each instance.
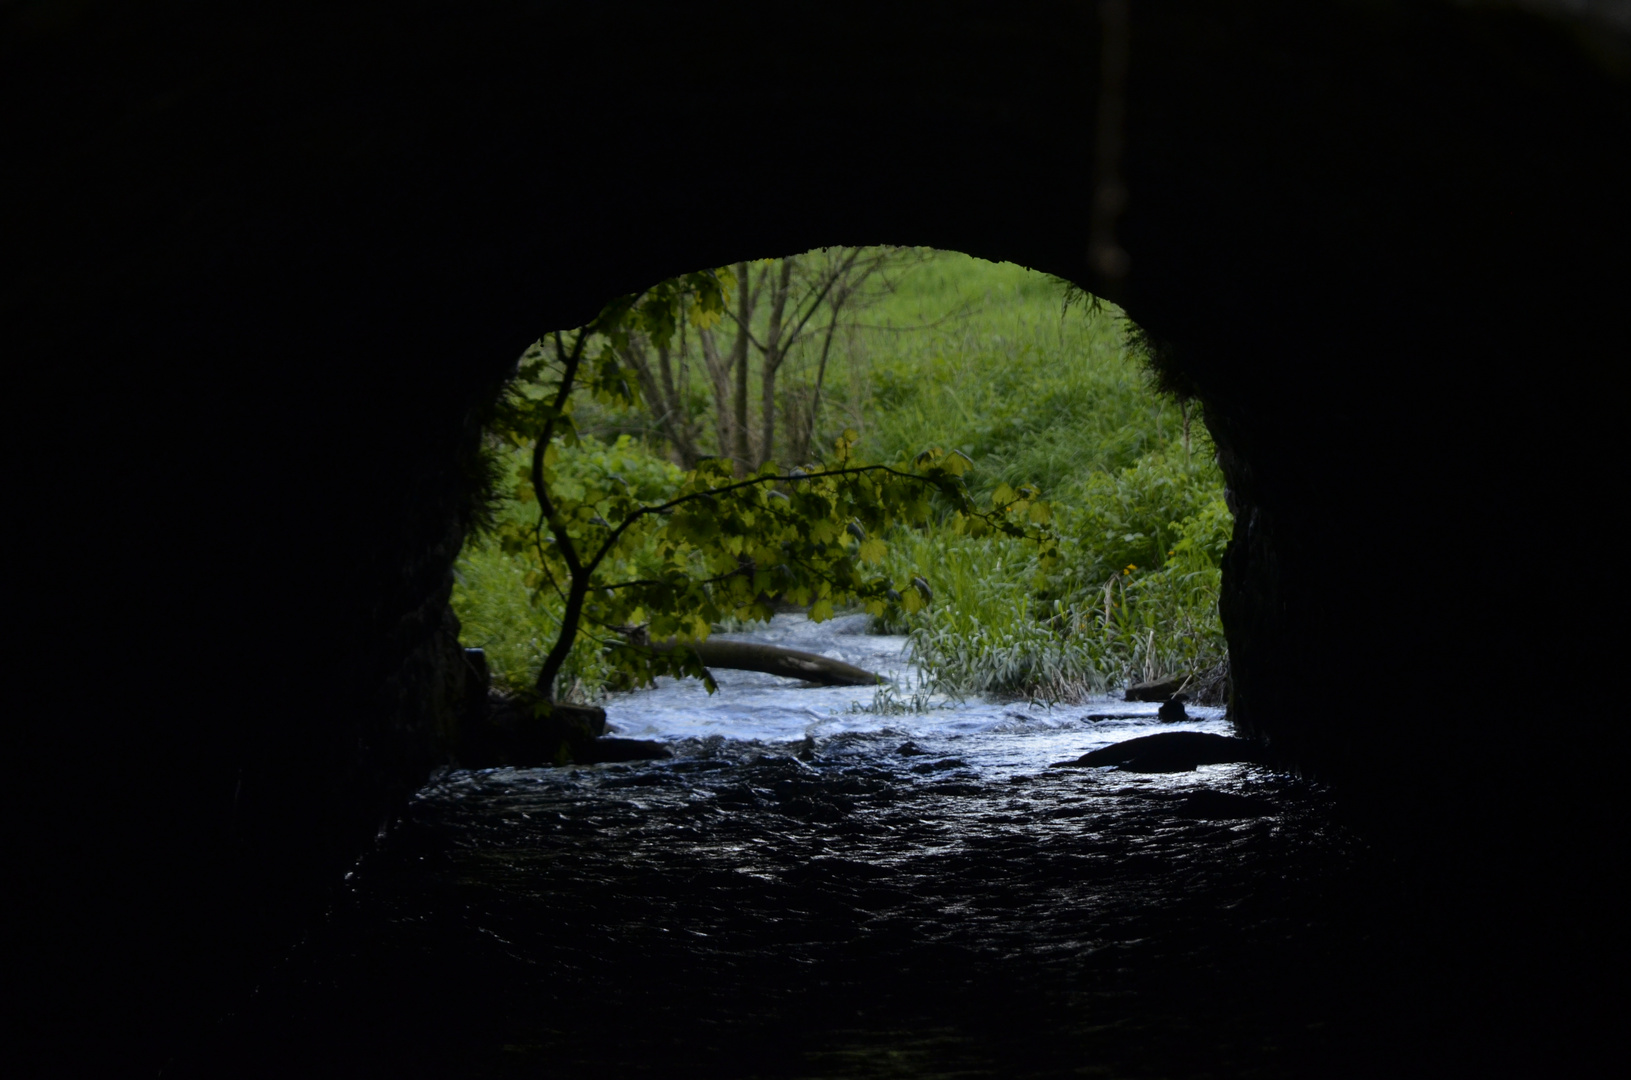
(911, 896)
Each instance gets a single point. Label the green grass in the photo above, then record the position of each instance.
(1036, 394)
(983, 358)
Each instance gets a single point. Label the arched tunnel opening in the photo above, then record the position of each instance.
(797, 872)
(270, 265)
(968, 451)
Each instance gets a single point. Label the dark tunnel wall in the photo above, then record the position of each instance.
(267, 264)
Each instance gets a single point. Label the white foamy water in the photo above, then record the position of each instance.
(992, 737)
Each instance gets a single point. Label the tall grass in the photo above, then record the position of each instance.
(1003, 625)
(1036, 394)
(982, 634)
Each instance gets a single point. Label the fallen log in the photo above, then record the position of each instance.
(775, 660)
(1156, 690)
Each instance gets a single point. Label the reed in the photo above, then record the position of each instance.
(1003, 625)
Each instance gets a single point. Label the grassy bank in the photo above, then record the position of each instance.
(1037, 394)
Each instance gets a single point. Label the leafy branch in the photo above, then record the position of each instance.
(721, 544)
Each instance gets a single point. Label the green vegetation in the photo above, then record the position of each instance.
(925, 351)
(501, 614)
(643, 568)
(1032, 391)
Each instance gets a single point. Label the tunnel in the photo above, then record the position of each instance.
(270, 264)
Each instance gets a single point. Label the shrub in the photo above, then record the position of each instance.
(516, 625)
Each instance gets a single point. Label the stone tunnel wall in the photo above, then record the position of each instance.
(270, 263)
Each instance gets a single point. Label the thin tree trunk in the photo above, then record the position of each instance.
(836, 289)
(775, 351)
(767, 389)
(580, 573)
(803, 452)
(676, 419)
(682, 395)
(739, 359)
(570, 617)
(719, 376)
(663, 401)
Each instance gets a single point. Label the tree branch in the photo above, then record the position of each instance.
(767, 478)
(832, 279)
(546, 507)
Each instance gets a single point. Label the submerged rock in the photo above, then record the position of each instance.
(610, 749)
(940, 766)
(1172, 712)
(1171, 751)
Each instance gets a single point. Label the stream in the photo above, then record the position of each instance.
(806, 889)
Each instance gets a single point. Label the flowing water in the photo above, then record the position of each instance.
(988, 741)
(806, 889)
